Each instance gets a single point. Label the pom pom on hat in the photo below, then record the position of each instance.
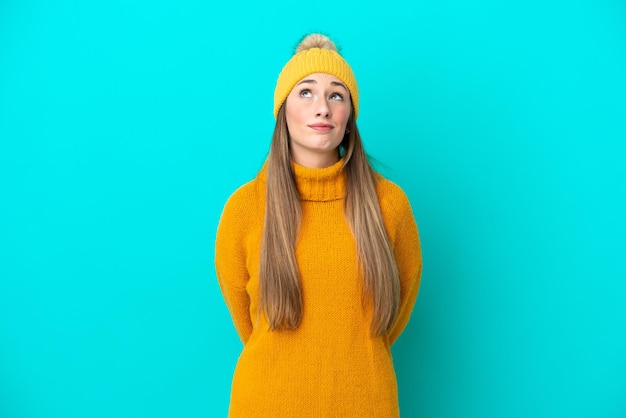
(314, 54)
(316, 40)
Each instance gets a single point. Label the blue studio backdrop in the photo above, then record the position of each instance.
(125, 126)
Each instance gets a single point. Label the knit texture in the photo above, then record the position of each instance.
(331, 365)
(310, 61)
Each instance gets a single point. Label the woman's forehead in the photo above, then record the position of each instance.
(321, 78)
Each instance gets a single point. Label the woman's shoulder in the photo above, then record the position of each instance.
(394, 202)
(242, 216)
(244, 197)
(245, 206)
(390, 193)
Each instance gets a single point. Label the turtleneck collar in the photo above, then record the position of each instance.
(317, 184)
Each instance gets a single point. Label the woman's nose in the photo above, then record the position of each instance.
(323, 109)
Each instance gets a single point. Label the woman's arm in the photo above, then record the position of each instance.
(230, 263)
(408, 254)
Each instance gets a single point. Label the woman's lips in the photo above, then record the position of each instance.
(321, 127)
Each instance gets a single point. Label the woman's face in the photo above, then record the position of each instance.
(317, 111)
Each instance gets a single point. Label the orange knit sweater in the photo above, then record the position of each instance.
(331, 365)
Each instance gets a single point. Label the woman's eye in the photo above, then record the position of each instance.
(336, 96)
(305, 93)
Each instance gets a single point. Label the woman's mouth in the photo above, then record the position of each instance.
(321, 127)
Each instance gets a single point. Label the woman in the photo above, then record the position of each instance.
(318, 258)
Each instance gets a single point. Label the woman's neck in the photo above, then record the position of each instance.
(315, 159)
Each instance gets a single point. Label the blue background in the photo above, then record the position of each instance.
(124, 127)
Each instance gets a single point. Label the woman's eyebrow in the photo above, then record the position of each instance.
(336, 83)
(307, 81)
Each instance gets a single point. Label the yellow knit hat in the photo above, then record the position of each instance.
(315, 54)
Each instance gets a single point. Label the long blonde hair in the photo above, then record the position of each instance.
(280, 292)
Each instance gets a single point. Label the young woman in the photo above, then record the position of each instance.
(318, 257)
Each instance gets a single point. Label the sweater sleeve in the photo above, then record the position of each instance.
(408, 254)
(230, 263)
